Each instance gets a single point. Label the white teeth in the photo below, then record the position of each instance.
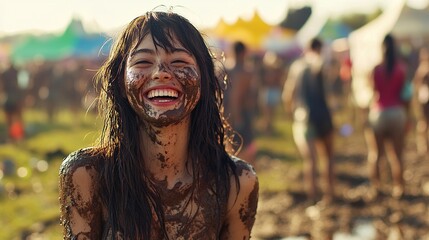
(162, 93)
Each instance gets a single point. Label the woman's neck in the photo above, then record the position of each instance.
(165, 153)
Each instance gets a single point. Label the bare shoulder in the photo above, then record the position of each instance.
(80, 158)
(242, 202)
(248, 180)
(81, 164)
(81, 210)
(298, 66)
(244, 170)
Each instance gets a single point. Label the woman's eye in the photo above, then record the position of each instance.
(179, 62)
(143, 62)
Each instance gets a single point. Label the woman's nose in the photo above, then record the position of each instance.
(161, 72)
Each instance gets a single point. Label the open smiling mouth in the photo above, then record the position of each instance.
(162, 95)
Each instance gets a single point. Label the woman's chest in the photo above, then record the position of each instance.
(196, 214)
(186, 214)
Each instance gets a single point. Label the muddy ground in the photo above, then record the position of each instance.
(353, 215)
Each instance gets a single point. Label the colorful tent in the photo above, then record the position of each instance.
(333, 30)
(46, 47)
(253, 32)
(74, 42)
(280, 41)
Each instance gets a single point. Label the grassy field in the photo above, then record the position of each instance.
(29, 197)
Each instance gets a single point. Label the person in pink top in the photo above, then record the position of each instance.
(387, 118)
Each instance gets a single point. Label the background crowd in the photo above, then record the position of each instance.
(260, 97)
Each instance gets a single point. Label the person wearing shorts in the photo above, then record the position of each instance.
(387, 119)
(312, 127)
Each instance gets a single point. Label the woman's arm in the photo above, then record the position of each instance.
(81, 214)
(421, 71)
(242, 205)
(289, 86)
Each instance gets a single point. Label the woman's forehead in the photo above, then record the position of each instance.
(148, 42)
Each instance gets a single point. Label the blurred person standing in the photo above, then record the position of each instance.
(13, 103)
(271, 90)
(239, 105)
(387, 118)
(304, 96)
(421, 85)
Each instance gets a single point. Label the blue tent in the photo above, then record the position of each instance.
(91, 46)
(334, 30)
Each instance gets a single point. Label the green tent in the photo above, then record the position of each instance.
(46, 48)
(74, 42)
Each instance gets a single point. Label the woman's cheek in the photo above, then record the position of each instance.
(133, 85)
(134, 78)
(192, 96)
(187, 76)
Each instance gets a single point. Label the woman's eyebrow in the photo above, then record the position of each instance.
(181, 50)
(151, 51)
(142, 50)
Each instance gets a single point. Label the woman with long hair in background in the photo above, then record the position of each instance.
(387, 118)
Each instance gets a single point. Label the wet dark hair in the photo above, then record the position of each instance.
(389, 54)
(125, 188)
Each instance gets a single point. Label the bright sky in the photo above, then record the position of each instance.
(54, 15)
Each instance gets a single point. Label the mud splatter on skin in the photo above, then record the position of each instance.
(152, 133)
(191, 214)
(163, 160)
(77, 201)
(133, 78)
(185, 78)
(243, 166)
(82, 236)
(248, 210)
(190, 211)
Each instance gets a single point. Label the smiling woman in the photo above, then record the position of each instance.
(175, 89)
(161, 170)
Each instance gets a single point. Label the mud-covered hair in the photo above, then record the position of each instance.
(129, 198)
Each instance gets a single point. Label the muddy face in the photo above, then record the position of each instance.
(162, 87)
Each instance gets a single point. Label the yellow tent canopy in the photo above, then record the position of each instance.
(253, 32)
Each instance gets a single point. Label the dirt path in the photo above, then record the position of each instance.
(352, 215)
